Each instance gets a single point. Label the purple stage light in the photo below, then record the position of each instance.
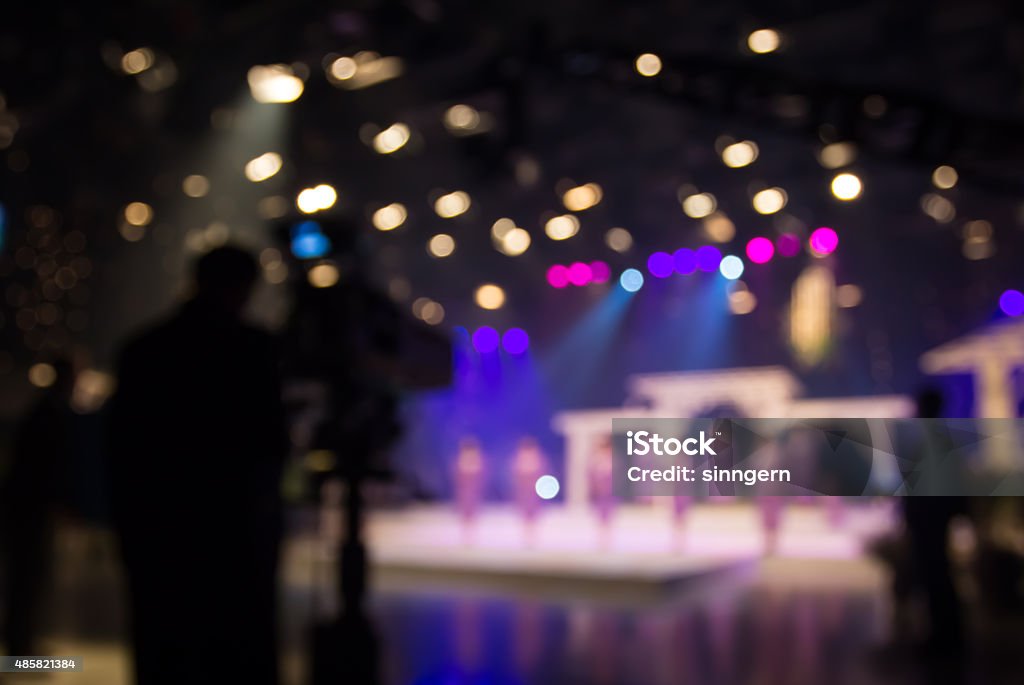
(1012, 302)
(760, 250)
(824, 241)
(600, 271)
(580, 274)
(558, 276)
(788, 244)
(515, 341)
(708, 258)
(684, 260)
(485, 339)
(660, 264)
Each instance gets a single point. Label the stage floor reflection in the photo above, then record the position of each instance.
(759, 629)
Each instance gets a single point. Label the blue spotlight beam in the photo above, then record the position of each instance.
(581, 355)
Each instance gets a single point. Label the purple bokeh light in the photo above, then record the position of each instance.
(824, 241)
(684, 260)
(788, 244)
(515, 341)
(580, 273)
(708, 258)
(1012, 302)
(760, 250)
(660, 264)
(558, 276)
(485, 339)
(600, 271)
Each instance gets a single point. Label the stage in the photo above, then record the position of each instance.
(640, 552)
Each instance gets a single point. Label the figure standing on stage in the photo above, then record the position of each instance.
(602, 488)
(469, 485)
(527, 466)
(771, 508)
(680, 507)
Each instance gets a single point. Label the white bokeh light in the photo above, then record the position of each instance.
(547, 487)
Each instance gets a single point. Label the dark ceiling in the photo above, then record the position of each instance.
(558, 79)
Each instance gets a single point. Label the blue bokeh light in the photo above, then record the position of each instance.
(461, 335)
(631, 280)
(515, 341)
(731, 267)
(309, 241)
(310, 245)
(305, 228)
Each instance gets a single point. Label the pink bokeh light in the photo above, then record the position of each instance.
(580, 273)
(558, 276)
(788, 244)
(760, 250)
(600, 272)
(824, 241)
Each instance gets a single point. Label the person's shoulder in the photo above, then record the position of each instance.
(258, 337)
(147, 339)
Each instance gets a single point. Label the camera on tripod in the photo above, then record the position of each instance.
(349, 351)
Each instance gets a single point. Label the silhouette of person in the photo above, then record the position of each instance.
(928, 519)
(35, 489)
(198, 440)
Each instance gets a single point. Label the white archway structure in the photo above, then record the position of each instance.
(756, 392)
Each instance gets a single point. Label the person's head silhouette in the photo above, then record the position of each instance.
(929, 403)
(224, 278)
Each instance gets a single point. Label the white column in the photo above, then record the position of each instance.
(993, 393)
(577, 483)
